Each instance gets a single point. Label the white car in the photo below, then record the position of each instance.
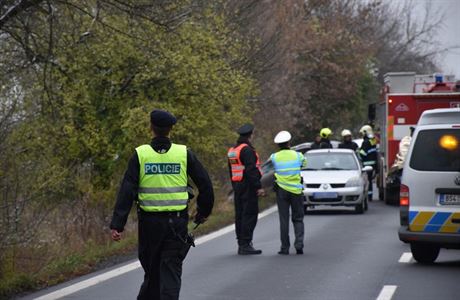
(430, 187)
(335, 177)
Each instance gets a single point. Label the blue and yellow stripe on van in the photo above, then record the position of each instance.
(430, 221)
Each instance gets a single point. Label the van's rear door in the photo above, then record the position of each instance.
(434, 180)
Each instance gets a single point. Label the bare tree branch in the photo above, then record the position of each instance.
(18, 7)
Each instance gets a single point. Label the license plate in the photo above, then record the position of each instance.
(325, 195)
(449, 199)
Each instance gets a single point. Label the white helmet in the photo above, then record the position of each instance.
(366, 129)
(282, 137)
(345, 132)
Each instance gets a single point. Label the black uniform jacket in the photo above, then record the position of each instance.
(315, 145)
(325, 144)
(348, 145)
(129, 186)
(251, 174)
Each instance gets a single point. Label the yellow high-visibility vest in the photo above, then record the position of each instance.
(162, 179)
(288, 164)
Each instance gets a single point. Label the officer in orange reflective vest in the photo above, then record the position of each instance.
(245, 174)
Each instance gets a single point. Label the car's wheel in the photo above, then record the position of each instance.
(359, 208)
(424, 253)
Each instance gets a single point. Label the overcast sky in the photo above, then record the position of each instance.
(449, 33)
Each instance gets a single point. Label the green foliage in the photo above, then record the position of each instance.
(85, 124)
(113, 81)
(16, 284)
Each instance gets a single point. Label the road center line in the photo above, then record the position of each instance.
(405, 258)
(387, 292)
(135, 265)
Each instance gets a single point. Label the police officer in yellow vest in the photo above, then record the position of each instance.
(157, 180)
(288, 187)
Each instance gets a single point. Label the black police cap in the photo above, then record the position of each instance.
(162, 118)
(246, 129)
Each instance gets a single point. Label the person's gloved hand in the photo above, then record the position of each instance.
(199, 219)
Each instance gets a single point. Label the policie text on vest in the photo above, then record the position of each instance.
(161, 168)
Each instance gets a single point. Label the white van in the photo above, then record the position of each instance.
(430, 187)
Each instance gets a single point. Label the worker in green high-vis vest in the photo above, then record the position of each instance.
(288, 186)
(157, 180)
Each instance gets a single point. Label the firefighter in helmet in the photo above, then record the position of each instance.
(325, 142)
(368, 155)
(347, 141)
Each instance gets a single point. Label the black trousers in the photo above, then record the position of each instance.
(246, 212)
(370, 191)
(286, 200)
(161, 253)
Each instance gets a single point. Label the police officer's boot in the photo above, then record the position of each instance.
(248, 249)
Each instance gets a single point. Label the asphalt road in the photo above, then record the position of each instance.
(347, 256)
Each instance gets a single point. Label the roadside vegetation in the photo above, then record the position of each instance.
(78, 79)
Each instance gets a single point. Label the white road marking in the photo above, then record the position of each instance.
(406, 258)
(90, 282)
(135, 265)
(387, 292)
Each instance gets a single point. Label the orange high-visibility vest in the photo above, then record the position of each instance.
(236, 165)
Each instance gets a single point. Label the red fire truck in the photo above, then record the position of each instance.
(405, 96)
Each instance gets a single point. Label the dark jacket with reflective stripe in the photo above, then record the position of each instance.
(127, 194)
(368, 152)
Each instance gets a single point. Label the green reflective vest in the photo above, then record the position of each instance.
(162, 179)
(287, 164)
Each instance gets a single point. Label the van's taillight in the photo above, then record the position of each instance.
(404, 195)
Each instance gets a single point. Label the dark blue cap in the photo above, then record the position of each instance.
(246, 129)
(162, 118)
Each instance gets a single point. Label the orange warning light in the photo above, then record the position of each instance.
(448, 142)
(390, 101)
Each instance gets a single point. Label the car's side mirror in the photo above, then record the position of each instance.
(367, 169)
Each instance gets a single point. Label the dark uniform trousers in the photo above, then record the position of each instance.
(246, 211)
(370, 178)
(161, 253)
(286, 200)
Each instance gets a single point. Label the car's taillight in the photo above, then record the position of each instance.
(404, 195)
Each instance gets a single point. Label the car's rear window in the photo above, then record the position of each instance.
(437, 150)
